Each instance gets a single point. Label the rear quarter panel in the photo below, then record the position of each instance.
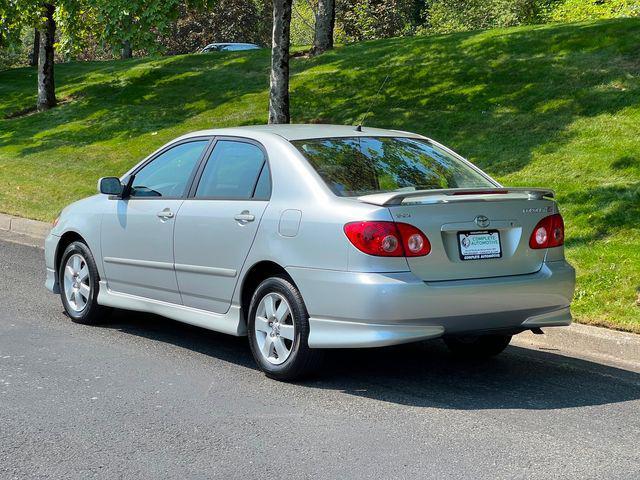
(319, 241)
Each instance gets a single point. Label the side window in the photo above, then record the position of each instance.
(231, 171)
(167, 174)
(263, 187)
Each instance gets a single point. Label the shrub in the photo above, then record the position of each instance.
(446, 16)
(579, 10)
(370, 19)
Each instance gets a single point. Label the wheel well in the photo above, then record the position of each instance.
(256, 274)
(66, 239)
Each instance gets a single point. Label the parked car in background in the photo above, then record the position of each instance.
(229, 47)
(312, 237)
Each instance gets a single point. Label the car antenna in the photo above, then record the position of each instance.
(364, 117)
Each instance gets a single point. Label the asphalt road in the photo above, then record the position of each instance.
(145, 397)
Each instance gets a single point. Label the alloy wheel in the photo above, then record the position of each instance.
(77, 282)
(274, 328)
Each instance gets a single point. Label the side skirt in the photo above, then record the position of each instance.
(229, 322)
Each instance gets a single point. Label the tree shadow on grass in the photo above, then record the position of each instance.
(626, 162)
(496, 97)
(129, 99)
(423, 374)
(603, 210)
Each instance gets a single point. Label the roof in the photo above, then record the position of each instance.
(306, 131)
(226, 44)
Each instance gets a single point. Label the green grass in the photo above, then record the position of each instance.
(555, 106)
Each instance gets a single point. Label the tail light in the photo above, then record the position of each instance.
(415, 243)
(549, 232)
(388, 239)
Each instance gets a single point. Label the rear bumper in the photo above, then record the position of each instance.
(350, 309)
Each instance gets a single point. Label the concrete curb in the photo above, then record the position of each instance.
(602, 344)
(24, 226)
(577, 340)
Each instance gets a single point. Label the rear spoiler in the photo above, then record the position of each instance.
(396, 198)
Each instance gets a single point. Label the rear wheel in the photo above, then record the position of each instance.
(78, 277)
(278, 328)
(477, 346)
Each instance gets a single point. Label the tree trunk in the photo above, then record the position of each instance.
(279, 84)
(33, 60)
(325, 21)
(126, 51)
(46, 84)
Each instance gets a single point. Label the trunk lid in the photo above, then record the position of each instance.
(448, 216)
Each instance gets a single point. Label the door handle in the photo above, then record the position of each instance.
(165, 214)
(244, 217)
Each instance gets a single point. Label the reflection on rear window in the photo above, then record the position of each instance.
(356, 166)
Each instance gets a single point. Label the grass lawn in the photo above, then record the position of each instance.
(554, 106)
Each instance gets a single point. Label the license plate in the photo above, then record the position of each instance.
(479, 245)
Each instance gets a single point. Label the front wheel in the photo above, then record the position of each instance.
(278, 328)
(79, 282)
(481, 346)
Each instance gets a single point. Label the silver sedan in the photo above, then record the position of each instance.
(312, 237)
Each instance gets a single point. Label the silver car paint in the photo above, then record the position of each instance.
(353, 299)
(443, 223)
(206, 268)
(137, 248)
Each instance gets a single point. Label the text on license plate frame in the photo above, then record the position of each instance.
(479, 256)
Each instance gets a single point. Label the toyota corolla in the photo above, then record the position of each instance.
(312, 237)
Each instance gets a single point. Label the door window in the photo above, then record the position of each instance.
(263, 187)
(232, 171)
(168, 174)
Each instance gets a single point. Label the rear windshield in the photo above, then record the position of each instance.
(355, 166)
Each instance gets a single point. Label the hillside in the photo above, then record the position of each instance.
(555, 106)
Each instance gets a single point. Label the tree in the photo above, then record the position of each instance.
(14, 17)
(279, 81)
(125, 24)
(325, 22)
(8, 21)
(126, 51)
(46, 82)
(33, 58)
(129, 25)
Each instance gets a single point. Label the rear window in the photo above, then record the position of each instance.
(357, 166)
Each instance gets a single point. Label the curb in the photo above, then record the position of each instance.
(24, 226)
(578, 340)
(608, 346)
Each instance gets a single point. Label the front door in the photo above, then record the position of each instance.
(217, 224)
(137, 232)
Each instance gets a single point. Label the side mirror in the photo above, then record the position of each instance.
(110, 186)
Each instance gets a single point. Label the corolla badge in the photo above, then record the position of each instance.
(538, 210)
(482, 221)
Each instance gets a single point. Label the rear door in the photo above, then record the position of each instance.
(137, 232)
(217, 224)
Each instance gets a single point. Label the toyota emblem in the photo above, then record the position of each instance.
(482, 221)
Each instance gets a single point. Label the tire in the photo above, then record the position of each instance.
(79, 286)
(481, 346)
(279, 344)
